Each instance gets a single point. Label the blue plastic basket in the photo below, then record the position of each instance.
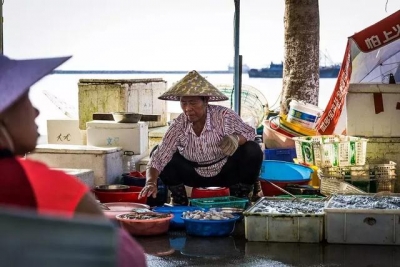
(177, 211)
(282, 154)
(210, 227)
(281, 171)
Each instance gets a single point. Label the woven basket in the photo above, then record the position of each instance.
(330, 185)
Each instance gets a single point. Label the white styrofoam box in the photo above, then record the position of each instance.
(351, 226)
(361, 117)
(128, 136)
(278, 227)
(105, 162)
(126, 95)
(86, 176)
(142, 164)
(64, 131)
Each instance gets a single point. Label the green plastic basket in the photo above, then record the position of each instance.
(219, 202)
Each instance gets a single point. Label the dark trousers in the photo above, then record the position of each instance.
(242, 167)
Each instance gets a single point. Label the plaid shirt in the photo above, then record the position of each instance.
(202, 149)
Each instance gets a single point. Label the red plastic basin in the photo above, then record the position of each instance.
(132, 195)
(205, 192)
(270, 190)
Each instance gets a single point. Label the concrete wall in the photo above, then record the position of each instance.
(381, 150)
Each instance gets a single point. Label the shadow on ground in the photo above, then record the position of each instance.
(178, 249)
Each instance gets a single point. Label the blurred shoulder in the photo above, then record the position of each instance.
(38, 169)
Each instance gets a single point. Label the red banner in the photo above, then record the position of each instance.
(369, 39)
(327, 122)
(379, 34)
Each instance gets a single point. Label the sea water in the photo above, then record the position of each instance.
(65, 88)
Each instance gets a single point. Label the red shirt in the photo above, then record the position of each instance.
(28, 183)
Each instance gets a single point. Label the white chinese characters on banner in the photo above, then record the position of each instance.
(374, 41)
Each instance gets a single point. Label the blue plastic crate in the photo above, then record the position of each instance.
(210, 227)
(282, 154)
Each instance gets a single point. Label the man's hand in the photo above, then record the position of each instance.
(229, 144)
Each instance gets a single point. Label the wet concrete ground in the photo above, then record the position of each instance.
(178, 249)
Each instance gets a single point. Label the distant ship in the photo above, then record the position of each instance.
(276, 71)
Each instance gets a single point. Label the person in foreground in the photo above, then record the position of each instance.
(29, 184)
(206, 146)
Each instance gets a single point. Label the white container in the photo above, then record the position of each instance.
(362, 226)
(272, 227)
(303, 114)
(105, 162)
(124, 95)
(86, 176)
(361, 117)
(128, 136)
(64, 131)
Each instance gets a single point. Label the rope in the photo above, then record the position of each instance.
(384, 74)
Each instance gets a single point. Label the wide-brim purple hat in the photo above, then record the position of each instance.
(17, 76)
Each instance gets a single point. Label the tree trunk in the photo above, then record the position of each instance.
(301, 65)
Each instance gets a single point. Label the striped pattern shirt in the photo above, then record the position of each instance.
(203, 149)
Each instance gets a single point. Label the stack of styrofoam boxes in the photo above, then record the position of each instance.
(84, 175)
(65, 131)
(129, 136)
(382, 129)
(156, 135)
(134, 95)
(105, 162)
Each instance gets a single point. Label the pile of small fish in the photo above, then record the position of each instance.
(144, 216)
(207, 215)
(302, 206)
(364, 202)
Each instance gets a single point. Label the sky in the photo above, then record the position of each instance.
(171, 34)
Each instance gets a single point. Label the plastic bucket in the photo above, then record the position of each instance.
(201, 192)
(275, 139)
(303, 114)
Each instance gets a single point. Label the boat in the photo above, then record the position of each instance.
(276, 71)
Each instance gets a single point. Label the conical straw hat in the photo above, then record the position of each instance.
(193, 84)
